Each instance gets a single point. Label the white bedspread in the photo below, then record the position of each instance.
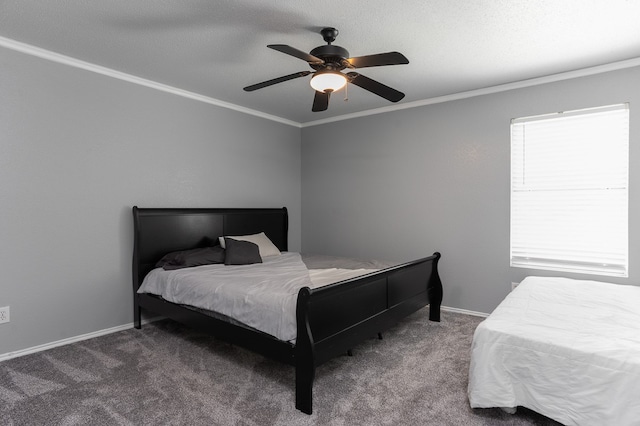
(568, 349)
(262, 295)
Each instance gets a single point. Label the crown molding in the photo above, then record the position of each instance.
(77, 63)
(614, 66)
(98, 69)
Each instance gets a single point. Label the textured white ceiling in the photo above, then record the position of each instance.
(215, 48)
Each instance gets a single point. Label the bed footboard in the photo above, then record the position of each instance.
(333, 319)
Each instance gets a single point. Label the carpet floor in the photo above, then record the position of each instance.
(166, 374)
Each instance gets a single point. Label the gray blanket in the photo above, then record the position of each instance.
(263, 295)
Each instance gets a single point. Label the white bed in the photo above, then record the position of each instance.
(568, 349)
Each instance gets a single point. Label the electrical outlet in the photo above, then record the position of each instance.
(4, 314)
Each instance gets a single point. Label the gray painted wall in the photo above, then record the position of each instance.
(77, 151)
(404, 184)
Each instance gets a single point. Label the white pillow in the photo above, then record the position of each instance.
(265, 246)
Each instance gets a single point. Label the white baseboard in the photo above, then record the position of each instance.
(464, 311)
(51, 345)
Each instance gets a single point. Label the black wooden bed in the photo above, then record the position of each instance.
(330, 320)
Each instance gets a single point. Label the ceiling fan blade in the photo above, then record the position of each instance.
(390, 58)
(276, 81)
(320, 101)
(373, 86)
(295, 52)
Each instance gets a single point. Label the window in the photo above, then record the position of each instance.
(569, 191)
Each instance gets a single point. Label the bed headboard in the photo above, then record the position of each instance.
(158, 231)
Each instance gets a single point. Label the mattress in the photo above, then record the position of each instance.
(262, 296)
(568, 349)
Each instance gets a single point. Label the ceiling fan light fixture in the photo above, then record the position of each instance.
(328, 81)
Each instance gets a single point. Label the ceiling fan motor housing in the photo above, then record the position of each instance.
(334, 57)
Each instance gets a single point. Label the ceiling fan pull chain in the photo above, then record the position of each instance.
(346, 92)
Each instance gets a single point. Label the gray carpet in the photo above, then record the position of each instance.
(167, 374)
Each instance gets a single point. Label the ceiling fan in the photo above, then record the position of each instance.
(328, 62)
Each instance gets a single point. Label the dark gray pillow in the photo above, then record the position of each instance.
(241, 252)
(189, 258)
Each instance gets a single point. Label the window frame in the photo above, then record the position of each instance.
(566, 259)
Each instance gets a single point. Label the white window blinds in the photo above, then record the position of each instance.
(569, 191)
